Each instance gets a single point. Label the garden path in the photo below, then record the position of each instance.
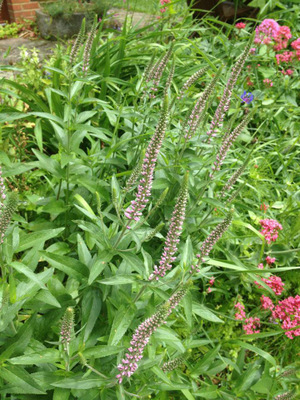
(45, 47)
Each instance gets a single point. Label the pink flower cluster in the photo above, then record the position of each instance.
(287, 72)
(266, 31)
(269, 32)
(285, 57)
(251, 325)
(287, 311)
(240, 25)
(211, 282)
(268, 82)
(240, 315)
(282, 37)
(270, 260)
(270, 229)
(274, 282)
(163, 2)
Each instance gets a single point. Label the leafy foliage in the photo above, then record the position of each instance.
(75, 280)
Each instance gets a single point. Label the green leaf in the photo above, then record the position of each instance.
(68, 265)
(79, 382)
(187, 254)
(101, 351)
(38, 134)
(48, 298)
(49, 164)
(91, 307)
(84, 204)
(18, 343)
(205, 313)
(118, 280)
(23, 269)
(46, 356)
(83, 252)
(61, 394)
(18, 376)
(205, 362)
(188, 394)
(99, 265)
(31, 239)
(121, 323)
(257, 350)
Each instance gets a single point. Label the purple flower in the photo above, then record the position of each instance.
(247, 97)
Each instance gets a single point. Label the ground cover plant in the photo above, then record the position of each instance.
(154, 249)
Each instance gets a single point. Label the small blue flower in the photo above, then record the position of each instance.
(247, 97)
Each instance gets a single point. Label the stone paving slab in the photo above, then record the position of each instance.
(45, 47)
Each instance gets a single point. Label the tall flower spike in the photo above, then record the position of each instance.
(67, 327)
(170, 78)
(88, 47)
(7, 213)
(134, 211)
(212, 239)
(173, 364)
(195, 117)
(228, 142)
(173, 234)
(227, 187)
(2, 191)
(134, 174)
(157, 70)
(143, 333)
(217, 121)
(78, 42)
(285, 396)
(191, 81)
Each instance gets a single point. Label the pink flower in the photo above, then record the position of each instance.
(282, 37)
(240, 25)
(285, 57)
(240, 315)
(162, 10)
(212, 281)
(266, 31)
(266, 303)
(252, 50)
(296, 44)
(251, 325)
(288, 312)
(260, 266)
(268, 82)
(289, 72)
(270, 260)
(274, 282)
(264, 207)
(270, 229)
(209, 290)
